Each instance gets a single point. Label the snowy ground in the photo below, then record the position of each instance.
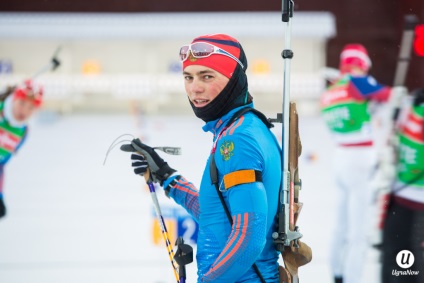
(73, 219)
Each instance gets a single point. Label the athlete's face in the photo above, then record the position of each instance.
(203, 84)
(353, 70)
(23, 109)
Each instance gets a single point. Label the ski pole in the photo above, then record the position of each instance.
(183, 256)
(162, 224)
(53, 64)
(149, 180)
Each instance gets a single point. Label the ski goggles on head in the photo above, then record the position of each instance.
(202, 50)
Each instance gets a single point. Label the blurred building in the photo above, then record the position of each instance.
(109, 60)
(116, 52)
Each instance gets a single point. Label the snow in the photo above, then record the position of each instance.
(73, 219)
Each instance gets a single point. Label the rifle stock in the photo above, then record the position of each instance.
(295, 150)
(297, 253)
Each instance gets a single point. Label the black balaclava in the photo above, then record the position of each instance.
(234, 94)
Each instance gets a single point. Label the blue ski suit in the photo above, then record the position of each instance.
(226, 253)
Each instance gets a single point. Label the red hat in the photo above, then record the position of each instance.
(29, 90)
(220, 63)
(354, 55)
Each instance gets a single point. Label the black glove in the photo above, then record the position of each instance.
(139, 163)
(159, 169)
(2, 208)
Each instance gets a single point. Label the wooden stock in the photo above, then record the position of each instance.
(295, 149)
(294, 257)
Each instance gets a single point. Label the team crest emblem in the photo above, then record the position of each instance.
(191, 58)
(226, 150)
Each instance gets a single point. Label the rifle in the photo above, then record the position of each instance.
(53, 64)
(386, 170)
(293, 251)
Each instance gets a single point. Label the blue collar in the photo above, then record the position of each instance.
(216, 126)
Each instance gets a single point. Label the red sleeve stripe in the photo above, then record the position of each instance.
(233, 127)
(230, 249)
(186, 190)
